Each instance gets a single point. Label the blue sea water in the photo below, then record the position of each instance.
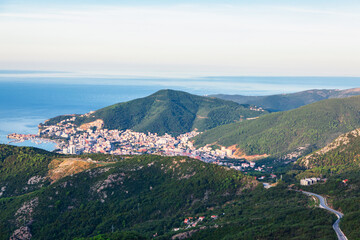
(24, 105)
(27, 101)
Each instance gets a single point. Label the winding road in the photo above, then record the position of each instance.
(323, 204)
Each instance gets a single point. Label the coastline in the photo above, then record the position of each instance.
(38, 142)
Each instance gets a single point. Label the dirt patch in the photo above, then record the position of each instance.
(184, 235)
(238, 153)
(60, 168)
(97, 123)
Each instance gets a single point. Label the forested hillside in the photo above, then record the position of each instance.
(312, 126)
(338, 165)
(18, 165)
(343, 194)
(146, 197)
(168, 111)
(284, 102)
(342, 155)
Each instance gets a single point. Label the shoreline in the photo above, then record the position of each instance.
(15, 138)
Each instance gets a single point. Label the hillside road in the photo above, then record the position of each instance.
(323, 204)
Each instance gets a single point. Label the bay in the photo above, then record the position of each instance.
(27, 101)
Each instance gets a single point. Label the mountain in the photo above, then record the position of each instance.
(338, 164)
(284, 102)
(308, 127)
(145, 197)
(167, 111)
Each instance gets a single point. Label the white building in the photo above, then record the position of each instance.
(309, 181)
(72, 149)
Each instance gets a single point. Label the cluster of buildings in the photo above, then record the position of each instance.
(258, 109)
(93, 138)
(21, 137)
(241, 165)
(194, 221)
(309, 181)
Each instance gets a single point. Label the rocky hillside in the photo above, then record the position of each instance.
(344, 151)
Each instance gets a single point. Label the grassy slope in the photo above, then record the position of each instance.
(278, 133)
(153, 194)
(169, 111)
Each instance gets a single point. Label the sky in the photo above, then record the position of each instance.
(182, 38)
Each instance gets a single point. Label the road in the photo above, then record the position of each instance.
(323, 204)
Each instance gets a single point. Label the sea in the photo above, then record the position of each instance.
(27, 99)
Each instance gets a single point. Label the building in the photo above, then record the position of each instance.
(72, 149)
(309, 181)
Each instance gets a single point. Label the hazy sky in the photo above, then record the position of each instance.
(183, 38)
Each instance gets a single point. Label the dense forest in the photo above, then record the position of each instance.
(343, 196)
(311, 126)
(340, 156)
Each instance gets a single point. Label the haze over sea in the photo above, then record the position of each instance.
(28, 98)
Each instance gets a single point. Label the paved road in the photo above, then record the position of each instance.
(323, 204)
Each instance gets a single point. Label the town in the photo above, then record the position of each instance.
(93, 138)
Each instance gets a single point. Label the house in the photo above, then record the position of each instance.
(345, 181)
(214, 217)
(305, 182)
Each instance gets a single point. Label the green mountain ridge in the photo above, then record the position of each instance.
(168, 111)
(341, 155)
(284, 102)
(140, 197)
(313, 126)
